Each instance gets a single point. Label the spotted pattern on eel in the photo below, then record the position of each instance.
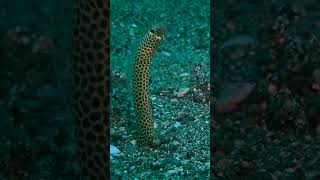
(90, 80)
(141, 74)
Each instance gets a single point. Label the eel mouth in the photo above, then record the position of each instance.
(159, 31)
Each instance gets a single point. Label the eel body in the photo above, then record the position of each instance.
(90, 79)
(141, 74)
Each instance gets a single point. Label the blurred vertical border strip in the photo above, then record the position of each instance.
(107, 119)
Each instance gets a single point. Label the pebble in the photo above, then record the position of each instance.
(184, 162)
(177, 125)
(184, 74)
(165, 53)
(157, 141)
(316, 75)
(155, 125)
(182, 92)
(122, 129)
(134, 25)
(174, 100)
(173, 172)
(316, 86)
(114, 150)
(272, 89)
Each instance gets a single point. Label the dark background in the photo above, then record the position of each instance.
(265, 95)
(36, 122)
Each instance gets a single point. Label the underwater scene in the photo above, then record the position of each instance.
(159, 119)
(261, 82)
(265, 72)
(37, 127)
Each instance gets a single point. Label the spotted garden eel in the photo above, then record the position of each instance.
(141, 74)
(90, 80)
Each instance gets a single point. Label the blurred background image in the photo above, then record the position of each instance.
(265, 89)
(36, 122)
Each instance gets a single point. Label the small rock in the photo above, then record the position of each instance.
(316, 86)
(272, 89)
(316, 76)
(112, 130)
(174, 100)
(165, 53)
(114, 150)
(240, 40)
(182, 92)
(246, 164)
(134, 25)
(133, 142)
(184, 162)
(122, 129)
(157, 141)
(184, 75)
(155, 125)
(177, 125)
(173, 172)
(43, 44)
(233, 94)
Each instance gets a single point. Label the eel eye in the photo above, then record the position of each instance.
(152, 31)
